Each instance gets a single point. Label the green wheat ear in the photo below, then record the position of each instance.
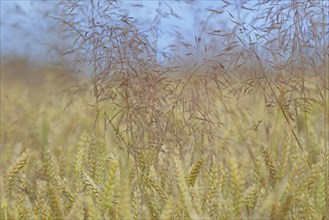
(271, 164)
(79, 159)
(237, 185)
(136, 203)
(184, 196)
(112, 186)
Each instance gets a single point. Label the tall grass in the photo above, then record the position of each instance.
(242, 134)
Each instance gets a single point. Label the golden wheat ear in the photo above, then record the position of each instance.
(19, 164)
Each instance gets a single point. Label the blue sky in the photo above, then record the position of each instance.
(29, 35)
(24, 30)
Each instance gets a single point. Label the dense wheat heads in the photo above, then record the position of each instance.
(203, 189)
(174, 174)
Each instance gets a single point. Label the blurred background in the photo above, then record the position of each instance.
(281, 32)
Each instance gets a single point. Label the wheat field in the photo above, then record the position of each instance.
(189, 150)
(237, 128)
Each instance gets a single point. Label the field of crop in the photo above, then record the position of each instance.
(188, 147)
(164, 109)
